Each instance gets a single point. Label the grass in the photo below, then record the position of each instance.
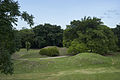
(102, 76)
(23, 53)
(34, 53)
(84, 66)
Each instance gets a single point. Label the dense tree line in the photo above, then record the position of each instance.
(48, 35)
(26, 35)
(116, 31)
(42, 35)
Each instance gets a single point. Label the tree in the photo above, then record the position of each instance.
(27, 35)
(117, 33)
(71, 32)
(92, 33)
(9, 13)
(27, 45)
(48, 35)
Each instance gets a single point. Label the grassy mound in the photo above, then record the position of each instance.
(90, 58)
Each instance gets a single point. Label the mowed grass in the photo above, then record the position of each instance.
(84, 66)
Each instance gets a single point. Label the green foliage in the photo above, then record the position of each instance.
(27, 35)
(9, 37)
(48, 35)
(91, 32)
(76, 48)
(53, 51)
(27, 45)
(117, 33)
(28, 18)
(43, 51)
(42, 35)
(5, 61)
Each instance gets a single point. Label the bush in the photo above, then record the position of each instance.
(49, 51)
(76, 48)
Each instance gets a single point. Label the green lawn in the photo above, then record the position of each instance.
(84, 66)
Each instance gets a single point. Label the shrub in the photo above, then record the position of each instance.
(49, 51)
(76, 48)
(43, 51)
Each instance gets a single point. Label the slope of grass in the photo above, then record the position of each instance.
(90, 59)
(84, 66)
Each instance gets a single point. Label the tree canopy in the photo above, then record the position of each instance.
(27, 35)
(9, 13)
(48, 35)
(90, 32)
(116, 31)
(42, 35)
